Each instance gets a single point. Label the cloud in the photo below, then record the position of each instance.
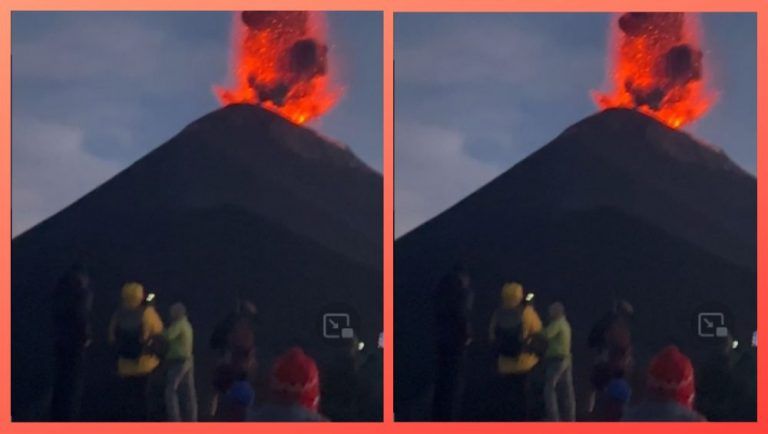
(92, 92)
(479, 93)
(51, 169)
(126, 78)
(113, 50)
(493, 52)
(432, 171)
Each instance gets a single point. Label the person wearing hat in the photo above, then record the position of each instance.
(671, 389)
(511, 330)
(131, 327)
(295, 391)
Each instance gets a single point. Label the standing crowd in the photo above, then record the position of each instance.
(155, 362)
(525, 348)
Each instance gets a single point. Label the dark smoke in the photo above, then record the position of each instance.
(677, 62)
(308, 58)
(302, 58)
(285, 20)
(636, 24)
(682, 64)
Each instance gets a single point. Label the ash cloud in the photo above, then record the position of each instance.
(676, 62)
(300, 57)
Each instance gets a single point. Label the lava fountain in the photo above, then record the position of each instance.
(657, 68)
(280, 62)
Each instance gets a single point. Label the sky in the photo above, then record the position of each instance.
(477, 93)
(92, 92)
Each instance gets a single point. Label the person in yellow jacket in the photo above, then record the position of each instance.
(131, 327)
(511, 328)
(514, 316)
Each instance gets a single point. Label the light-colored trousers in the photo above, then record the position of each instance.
(180, 391)
(558, 386)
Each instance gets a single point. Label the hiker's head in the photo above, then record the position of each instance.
(178, 311)
(132, 294)
(75, 278)
(556, 310)
(245, 307)
(511, 294)
(461, 272)
(624, 308)
(295, 378)
(670, 377)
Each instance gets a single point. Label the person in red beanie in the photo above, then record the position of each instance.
(295, 391)
(671, 388)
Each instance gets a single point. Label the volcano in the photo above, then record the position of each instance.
(618, 206)
(241, 203)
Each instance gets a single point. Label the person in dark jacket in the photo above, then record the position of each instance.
(233, 338)
(244, 311)
(72, 302)
(611, 340)
(453, 300)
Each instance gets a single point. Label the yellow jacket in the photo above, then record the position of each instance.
(132, 297)
(511, 297)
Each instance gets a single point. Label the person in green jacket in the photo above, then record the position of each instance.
(558, 364)
(180, 374)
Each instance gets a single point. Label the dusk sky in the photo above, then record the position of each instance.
(477, 93)
(92, 92)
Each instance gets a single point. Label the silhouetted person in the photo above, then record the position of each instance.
(72, 301)
(670, 390)
(726, 386)
(559, 396)
(234, 339)
(131, 328)
(180, 394)
(453, 304)
(512, 328)
(244, 311)
(611, 340)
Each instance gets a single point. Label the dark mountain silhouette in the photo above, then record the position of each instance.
(241, 203)
(618, 206)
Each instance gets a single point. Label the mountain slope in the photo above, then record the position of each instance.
(618, 206)
(240, 203)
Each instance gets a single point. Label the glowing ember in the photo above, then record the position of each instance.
(281, 64)
(658, 68)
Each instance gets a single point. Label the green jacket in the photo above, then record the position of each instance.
(179, 335)
(558, 334)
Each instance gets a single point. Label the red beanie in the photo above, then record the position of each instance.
(670, 376)
(295, 378)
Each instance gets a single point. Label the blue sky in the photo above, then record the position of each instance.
(94, 91)
(476, 93)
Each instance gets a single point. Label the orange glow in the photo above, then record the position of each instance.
(657, 68)
(280, 63)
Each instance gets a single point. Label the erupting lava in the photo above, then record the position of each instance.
(657, 68)
(280, 62)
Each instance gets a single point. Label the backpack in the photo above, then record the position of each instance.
(509, 332)
(129, 333)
